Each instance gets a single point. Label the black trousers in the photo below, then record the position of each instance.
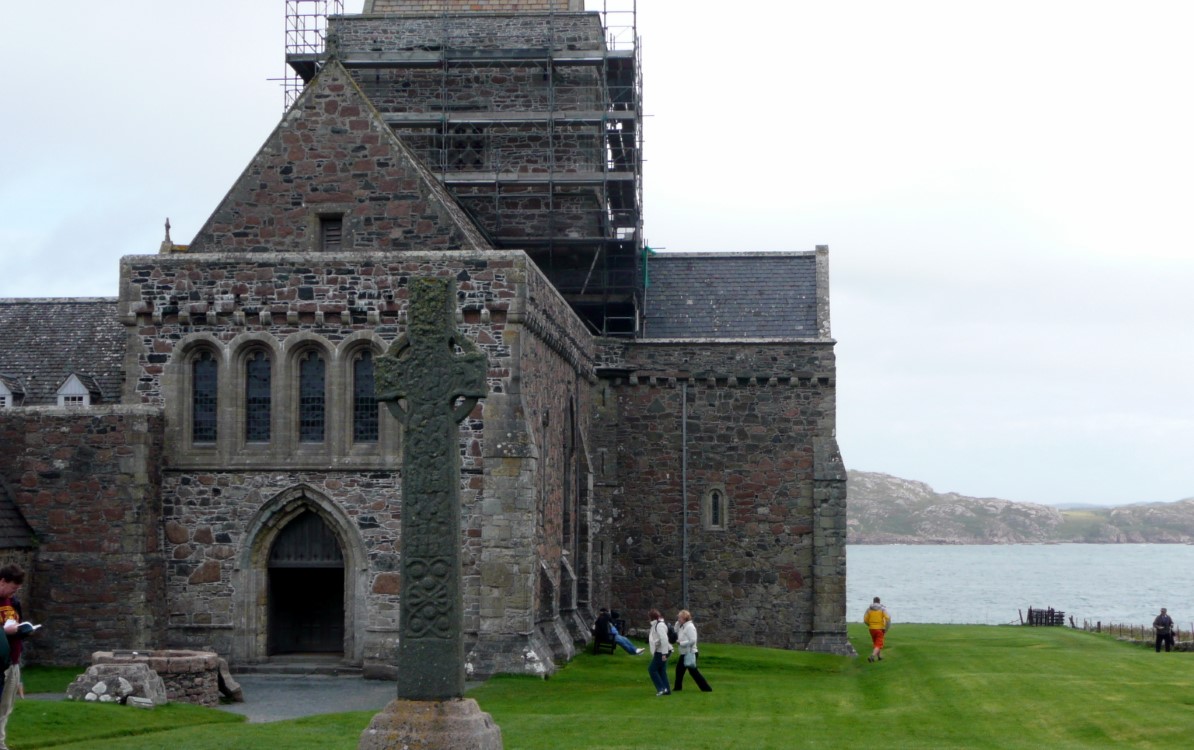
(697, 677)
(1167, 639)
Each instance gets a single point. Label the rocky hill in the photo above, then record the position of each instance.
(888, 510)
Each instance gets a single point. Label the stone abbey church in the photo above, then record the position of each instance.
(201, 460)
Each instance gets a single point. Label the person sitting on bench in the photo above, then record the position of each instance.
(605, 624)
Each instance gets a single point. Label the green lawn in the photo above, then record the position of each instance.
(940, 686)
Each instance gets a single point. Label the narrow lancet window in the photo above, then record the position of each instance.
(204, 387)
(364, 402)
(311, 398)
(257, 398)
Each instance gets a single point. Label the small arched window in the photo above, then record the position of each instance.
(204, 388)
(715, 509)
(364, 401)
(312, 401)
(257, 398)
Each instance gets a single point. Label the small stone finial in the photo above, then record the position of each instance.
(167, 245)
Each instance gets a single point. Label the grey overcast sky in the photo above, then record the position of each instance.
(1006, 192)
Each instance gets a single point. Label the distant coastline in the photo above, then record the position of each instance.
(883, 509)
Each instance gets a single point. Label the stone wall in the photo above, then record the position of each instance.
(217, 536)
(170, 300)
(755, 414)
(221, 511)
(454, 6)
(87, 482)
(187, 676)
(219, 521)
(486, 89)
(446, 24)
(535, 533)
(332, 157)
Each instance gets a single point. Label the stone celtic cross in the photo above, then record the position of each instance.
(431, 387)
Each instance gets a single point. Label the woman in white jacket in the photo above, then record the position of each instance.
(660, 649)
(687, 643)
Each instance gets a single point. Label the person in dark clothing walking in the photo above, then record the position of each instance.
(1163, 625)
(687, 642)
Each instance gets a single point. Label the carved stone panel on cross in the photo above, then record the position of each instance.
(430, 379)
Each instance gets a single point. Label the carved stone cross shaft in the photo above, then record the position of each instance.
(431, 388)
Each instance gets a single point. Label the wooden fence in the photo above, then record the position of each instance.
(1132, 632)
(1143, 634)
(1039, 616)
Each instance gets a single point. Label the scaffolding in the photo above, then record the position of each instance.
(533, 121)
(306, 35)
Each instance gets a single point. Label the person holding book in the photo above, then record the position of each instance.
(12, 577)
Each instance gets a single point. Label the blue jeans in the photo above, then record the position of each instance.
(658, 671)
(625, 643)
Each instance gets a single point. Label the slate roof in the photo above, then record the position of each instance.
(13, 384)
(43, 341)
(731, 295)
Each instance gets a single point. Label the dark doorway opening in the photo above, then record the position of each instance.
(306, 589)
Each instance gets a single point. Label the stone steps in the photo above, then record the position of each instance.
(300, 664)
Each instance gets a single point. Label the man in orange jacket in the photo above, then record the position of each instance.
(877, 621)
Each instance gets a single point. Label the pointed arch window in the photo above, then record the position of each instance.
(204, 389)
(715, 509)
(258, 401)
(312, 398)
(364, 402)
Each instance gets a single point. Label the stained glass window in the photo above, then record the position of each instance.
(257, 397)
(204, 385)
(311, 398)
(364, 402)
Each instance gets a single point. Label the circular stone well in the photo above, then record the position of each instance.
(189, 676)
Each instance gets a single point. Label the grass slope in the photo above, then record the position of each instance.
(940, 686)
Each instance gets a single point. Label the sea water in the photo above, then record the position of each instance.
(994, 584)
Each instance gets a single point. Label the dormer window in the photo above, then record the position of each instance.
(10, 392)
(74, 392)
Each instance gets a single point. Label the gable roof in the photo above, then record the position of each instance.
(12, 384)
(333, 155)
(86, 382)
(732, 296)
(44, 341)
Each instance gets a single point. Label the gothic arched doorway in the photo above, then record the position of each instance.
(306, 589)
